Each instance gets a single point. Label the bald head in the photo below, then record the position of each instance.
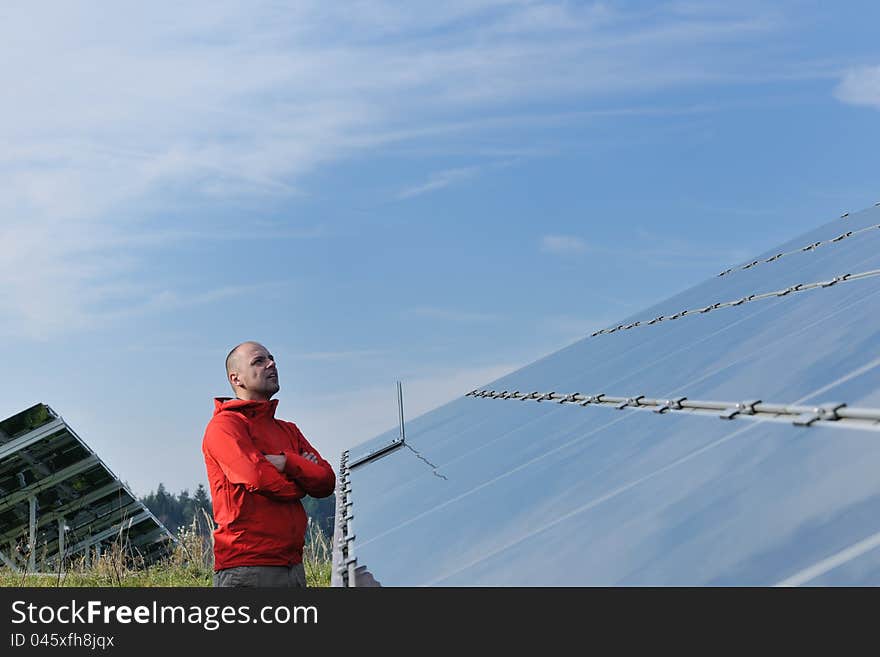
(251, 371)
(232, 357)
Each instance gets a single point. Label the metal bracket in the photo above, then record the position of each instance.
(812, 246)
(776, 257)
(743, 300)
(835, 280)
(659, 318)
(670, 404)
(751, 264)
(842, 237)
(789, 290)
(545, 396)
(825, 413)
(632, 401)
(592, 399)
(710, 308)
(742, 408)
(570, 398)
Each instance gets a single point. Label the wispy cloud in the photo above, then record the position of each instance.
(565, 244)
(450, 314)
(340, 355)
(570, 328)
(860, 86)
(121, 113)
(439, 180)
(647, 248)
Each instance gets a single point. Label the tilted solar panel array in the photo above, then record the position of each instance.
(729, 435)
(58, 498)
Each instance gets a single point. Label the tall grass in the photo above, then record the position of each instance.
(190, 563)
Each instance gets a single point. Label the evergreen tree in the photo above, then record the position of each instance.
(175, 511)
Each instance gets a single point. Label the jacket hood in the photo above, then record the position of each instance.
(245, 406)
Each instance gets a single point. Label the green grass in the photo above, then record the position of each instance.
(190, 564)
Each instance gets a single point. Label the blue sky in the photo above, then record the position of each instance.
(433, 192)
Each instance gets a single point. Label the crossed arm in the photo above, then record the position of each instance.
(227, 442)
(304, 465)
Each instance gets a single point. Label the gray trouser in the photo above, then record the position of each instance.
(274, 576)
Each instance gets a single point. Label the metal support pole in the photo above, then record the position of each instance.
(32, 536)
(9, 562)
(400, 411)
(60, 544)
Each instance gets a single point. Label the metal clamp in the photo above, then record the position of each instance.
(569, 398)
(742, 408)
(632, 401)
(545, 396)
(659, 318)
(812, 246)
(592, 399)
(825, 413)
(835, 280)
(776, 257)
(670, 404)
(842, 237)
(789, 290)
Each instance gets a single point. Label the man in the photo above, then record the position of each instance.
(259, 468)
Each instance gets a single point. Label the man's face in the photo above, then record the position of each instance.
(255, 371)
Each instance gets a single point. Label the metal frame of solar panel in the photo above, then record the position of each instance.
(58, 498)
(725, 436)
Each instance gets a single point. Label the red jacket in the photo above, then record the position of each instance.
(260, 519)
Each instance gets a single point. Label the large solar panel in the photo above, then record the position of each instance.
(729, 435)
(58, 500)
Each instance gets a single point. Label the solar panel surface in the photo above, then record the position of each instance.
(58, 498)
(491, 491)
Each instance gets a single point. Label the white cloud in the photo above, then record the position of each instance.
(129, 108)
(450, 315)
(562, 244)
(439, 180)
(860, 87)
(333, 356)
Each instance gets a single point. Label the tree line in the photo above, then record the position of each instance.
(175, 511)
